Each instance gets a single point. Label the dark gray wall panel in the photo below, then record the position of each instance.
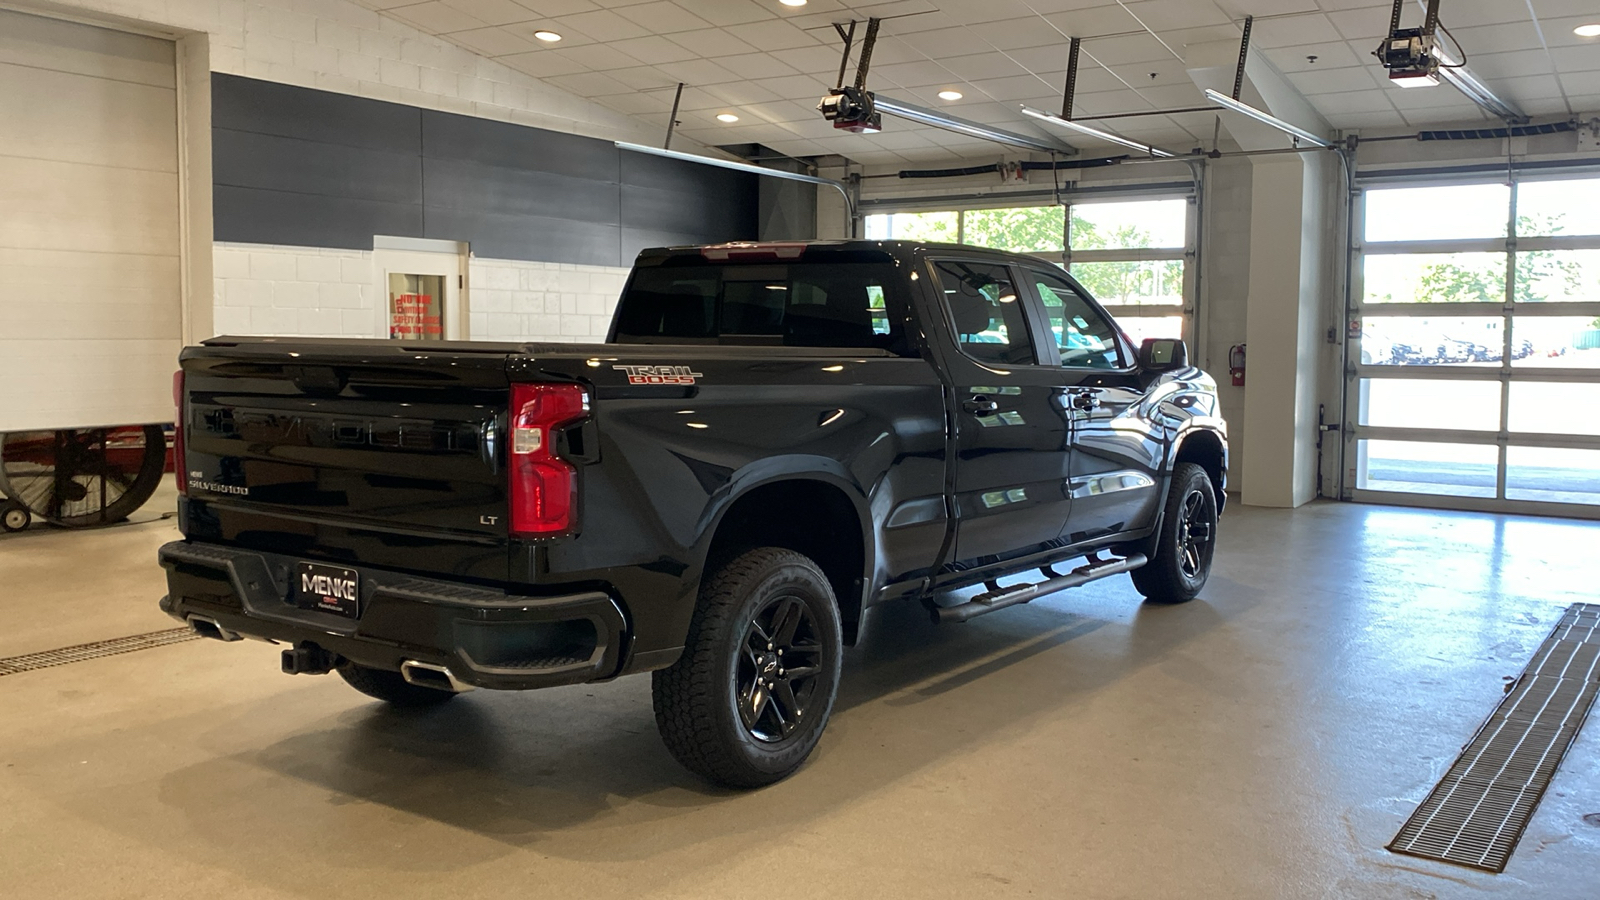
(451, 136)
(497, 190)
(280, 163)
(528, 237)
(311, 168)
(246, 104)
(253, 216)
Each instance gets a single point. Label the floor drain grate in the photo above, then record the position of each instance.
(28, 662)
(1478, 811)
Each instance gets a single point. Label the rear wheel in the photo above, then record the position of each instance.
(1186, 543)
(391, 686)
(747, 701)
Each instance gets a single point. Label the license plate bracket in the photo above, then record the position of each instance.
(329, 589)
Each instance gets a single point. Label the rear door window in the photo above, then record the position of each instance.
(846, 305)
(989, 321)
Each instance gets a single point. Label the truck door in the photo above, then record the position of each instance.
(1117, 447)
(1011, 433)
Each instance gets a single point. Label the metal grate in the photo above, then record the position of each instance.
(1478, 811)
(28, 662)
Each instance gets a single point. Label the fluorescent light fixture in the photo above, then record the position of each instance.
(921, 115)
(949, 95)
(793, 2)
(1587, 30)
(1412, 79)
(549, 37)
(1081, 128)
(727, 117)
(839, 186)
(1226, 102)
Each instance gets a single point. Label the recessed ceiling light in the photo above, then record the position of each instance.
(1587, 30)
(949, 95)
(793, 2)
(727, 117)
(549, 37)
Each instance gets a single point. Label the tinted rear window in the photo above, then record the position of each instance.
(847, 305)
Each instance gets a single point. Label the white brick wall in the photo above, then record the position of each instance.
(336, 45)
(264, 289)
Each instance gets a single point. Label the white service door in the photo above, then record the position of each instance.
(420, 294)
(90, 293)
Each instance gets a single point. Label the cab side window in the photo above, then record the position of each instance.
(990, 323)
(1086, 337)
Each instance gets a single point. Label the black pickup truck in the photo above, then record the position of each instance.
(775, 438)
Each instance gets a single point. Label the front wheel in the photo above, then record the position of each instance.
(747, 701)
(1181, 563)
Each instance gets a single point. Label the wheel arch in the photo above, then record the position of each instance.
(1206, 449)
(816, 514)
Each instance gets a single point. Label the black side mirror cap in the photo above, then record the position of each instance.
(1163, 354)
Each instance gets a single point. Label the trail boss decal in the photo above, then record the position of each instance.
(659, 374)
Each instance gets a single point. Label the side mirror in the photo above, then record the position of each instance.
(1163, 354)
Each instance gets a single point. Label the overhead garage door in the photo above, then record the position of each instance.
(90, 304)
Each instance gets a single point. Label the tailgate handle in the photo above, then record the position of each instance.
(316, 379)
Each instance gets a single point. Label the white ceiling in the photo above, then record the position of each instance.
(769, 63)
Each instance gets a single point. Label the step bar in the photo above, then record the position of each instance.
(998, 597)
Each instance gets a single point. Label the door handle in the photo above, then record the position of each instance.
(980, 405)
(1086, 399)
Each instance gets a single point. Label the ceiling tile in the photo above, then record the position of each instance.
(709, 42)
(772, 35)
(1528, 88)
(653, 50)
(590, 84)
(636, 103)
(1580, 83)
(1268, 34)
(436, 18)
(982, 65)
(1358, 120)
(1368, 24)
(542, 64)
(698, 72)
(1330, 55)
(492, 41)
(1019, 34)
(1507, 65)
(912, 74)
(643, 78)
(1091, 21)
(756, 65)
(1326, 81)
(1129, 48)
(738, 93)
(1352, 102)
(600, 57)
(553, 8)
(728, 12)
(1161, 16)
(663, 17)
(1016, 89)
(493, 12)
(602, 25)
(570, 37)
(814, 60)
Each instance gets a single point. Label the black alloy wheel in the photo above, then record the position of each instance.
(747, 701)
(1186, 541)
(1195, 533)
(776, 678)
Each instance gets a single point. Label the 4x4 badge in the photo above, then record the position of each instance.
(659, 374)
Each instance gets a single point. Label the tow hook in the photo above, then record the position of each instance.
(308, 659)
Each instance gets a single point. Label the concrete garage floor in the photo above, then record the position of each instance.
(1264, 741)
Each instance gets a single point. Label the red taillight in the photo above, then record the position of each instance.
(543, 486)
(179, 473)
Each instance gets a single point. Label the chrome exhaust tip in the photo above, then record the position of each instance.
(433, 676)
(211, 628)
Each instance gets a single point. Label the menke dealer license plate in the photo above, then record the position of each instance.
(331, 589)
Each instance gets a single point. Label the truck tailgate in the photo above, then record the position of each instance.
(386, 454)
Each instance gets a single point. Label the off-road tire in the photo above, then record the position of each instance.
(391, 686)
(1167, 577)
(697, 699)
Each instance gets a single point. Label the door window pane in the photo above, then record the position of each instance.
(1412, 467)
(1558, 207)
(1032, 229)
(939, 227)
(1431, 340)
(1085, 337)
(1438, 213)
(416, 307)
(989, 321)
(1562, 276)
(1563, 342)
(1549, 407)
(1434, 278)
(1136, 224)
(1547, 473)
(1430, 403)
(1143, 282)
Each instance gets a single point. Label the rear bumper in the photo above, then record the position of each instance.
(483, 637)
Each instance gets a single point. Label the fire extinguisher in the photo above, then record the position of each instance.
(1236, 364)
